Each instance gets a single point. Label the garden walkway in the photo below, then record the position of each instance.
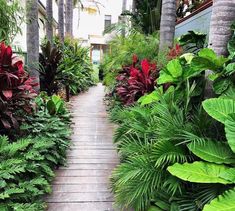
(83, 185)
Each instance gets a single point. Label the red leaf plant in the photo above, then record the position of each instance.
(135, 81)
(16, 89)
(175, 52)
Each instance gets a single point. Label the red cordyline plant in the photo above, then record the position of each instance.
(175, 52)
(16, 89)
(136, 80)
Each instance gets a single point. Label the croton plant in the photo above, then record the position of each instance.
(16, 89)
(136, 80)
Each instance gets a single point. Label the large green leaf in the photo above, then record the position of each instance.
(210, 55)
(219, 108)
(174, 67)
(230, 131)
(201, 63)
(224, 202)
(200, 172)
(221, 85)
(229, 175)
(230, 68)
(211, 151)
(164, 78)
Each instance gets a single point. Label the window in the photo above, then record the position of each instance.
(107, 21)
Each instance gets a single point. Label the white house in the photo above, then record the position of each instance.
(89, 23)
(91, 20)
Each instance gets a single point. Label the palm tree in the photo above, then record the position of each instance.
(124, 3)
(133, 6)
(167, 25)
(61, 20)
(49, 21)
(32, 38)
(223, 15)
(69, 18)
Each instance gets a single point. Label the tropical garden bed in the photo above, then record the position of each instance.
(176, 146)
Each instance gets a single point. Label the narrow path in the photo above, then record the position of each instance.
(83, 185)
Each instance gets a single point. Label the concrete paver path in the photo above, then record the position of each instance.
(83, 185)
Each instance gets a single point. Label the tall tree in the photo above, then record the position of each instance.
(69, 18)
(133, 6)
(124, 3)
(32, 38)
(223, 14)
(49, 20)
(167, 25)
(61, 20)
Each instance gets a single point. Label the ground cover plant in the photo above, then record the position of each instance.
(176, 148)
(27, 163)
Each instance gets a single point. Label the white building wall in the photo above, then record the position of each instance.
(93, 24)
(85, 25)
(20, 42)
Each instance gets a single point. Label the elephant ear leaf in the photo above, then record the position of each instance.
(229, 174)
(219, 108)
(211, 56)
(211, 151)
(199, 172)
(230, 131)
(175, 69)
(224, 202)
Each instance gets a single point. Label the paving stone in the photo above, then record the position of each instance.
(81, 180)
(88, 206)
(81, 188)
(81, 197)
(74, 173)
(83, 184)
(92, 161)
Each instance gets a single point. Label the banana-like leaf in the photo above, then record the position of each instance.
(213, 151)
(219, 108)
(200, 172)
(230, 131)
(224, 202)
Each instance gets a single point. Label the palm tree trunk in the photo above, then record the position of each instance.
(133, 6)
(61, 20)
(124, 3)
(69, 18)
(49, 21)
(32, 38)
(167, 25)
(223, 14)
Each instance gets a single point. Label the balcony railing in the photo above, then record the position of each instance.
(189, 8)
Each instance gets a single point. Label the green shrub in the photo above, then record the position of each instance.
(121, 51)
(27, 163)
(76, 67)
